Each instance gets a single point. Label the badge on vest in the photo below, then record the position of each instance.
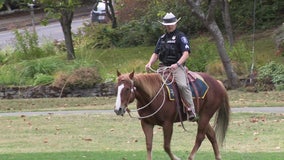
(171, 41)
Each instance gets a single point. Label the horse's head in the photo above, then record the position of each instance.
(125, 92)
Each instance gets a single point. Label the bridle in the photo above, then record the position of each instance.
(161, 70)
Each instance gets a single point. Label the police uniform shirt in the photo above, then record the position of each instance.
(176, 38)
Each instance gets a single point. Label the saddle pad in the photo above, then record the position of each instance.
(201, 87)
(171, 91)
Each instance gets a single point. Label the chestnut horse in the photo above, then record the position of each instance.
(155, 108)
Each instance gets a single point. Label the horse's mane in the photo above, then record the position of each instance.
(150, 82)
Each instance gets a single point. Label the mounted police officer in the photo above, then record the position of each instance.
(172, 50)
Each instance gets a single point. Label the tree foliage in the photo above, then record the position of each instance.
(8, 4)
(268, 13)
(2, 3)
(63, 10)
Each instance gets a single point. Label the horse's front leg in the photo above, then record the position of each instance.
(168, 131)
(148, 131)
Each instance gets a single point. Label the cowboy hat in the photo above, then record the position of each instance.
(169, 19)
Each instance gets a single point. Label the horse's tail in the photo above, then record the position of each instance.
(222, 117)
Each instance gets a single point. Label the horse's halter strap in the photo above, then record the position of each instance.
(132, 96)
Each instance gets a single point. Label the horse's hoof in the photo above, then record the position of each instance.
(176, 158)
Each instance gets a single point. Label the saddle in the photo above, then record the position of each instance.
(198, 87)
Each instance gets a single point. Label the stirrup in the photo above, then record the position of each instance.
(192, 117)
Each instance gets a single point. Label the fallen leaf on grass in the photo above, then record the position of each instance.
(87, 139)
(253, 120)
(255, 133)
(45, 140)
(57, 128)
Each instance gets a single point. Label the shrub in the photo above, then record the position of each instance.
(201, 56)
(83, 78)
(240, 53)
(216, 68)
(32, 72)
(27, 47)
(2, 59)
(9, 75)
(240, 57)
(45, 66)
(271, 74)
(133, 33)
(43, 79)
(96, 36)
(26, 41)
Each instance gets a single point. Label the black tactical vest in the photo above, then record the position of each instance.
(169, 51)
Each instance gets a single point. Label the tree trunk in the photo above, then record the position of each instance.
(226, 61)
(7, 5)
(210, 23)
(111, 13)
(66, 21)
(227, 21)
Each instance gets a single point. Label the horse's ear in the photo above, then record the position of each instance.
(118, 73)
(131, 75)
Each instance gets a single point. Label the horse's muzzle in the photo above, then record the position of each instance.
(120, 111)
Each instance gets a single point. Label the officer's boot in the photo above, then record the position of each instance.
(191, 114)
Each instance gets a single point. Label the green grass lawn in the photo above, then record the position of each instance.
(107, 136)
(137, 155)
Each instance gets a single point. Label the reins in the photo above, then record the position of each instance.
(164, 97)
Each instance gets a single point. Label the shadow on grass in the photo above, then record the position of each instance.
(138, 155)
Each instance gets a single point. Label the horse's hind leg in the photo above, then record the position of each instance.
(201, 130)
(212, 138)
(148, 131)
(168, 131)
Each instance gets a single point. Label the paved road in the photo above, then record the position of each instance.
(45, 33)
(79, 112)
(259, 109)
